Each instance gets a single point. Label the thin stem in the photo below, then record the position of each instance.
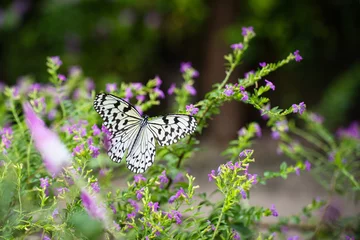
(28, 156)
(219, 220)
(16, 117)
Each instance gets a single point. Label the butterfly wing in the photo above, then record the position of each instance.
(122, 120)
(142, 153)
(170, 128)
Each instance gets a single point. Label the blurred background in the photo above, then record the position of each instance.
(114, 41)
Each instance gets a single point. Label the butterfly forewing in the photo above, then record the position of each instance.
(170, 128)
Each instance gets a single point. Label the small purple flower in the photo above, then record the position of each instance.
(273, 211)
(95, 151)
(95, 186)
(175, 215)
(237, 46)
(331, 156)
(243, 193)
(282, 125)
(158, 81)
(185, 66)
(293, 238)
(242, 132)
(138, 178)
(56, 60)
(298, 58)
(178, 194)
(140, 98)
(117, 226)
(128, 93)
(171, 89)
(253, 178)
(154, 206)
(61, 190)
(352, 131)
(257, 130)
(297, 171)
(300, 108)
(236, 235)
(55, 213)
(62, 77)
(159, 92)
(246, 153)
(190, 89)
(249, 74)
(245, 96)
(136, 85)
(275, 134)
(131, 215)
(134, 204)
(262, 64)
(78, 149)
(316, 118)
(242, 88)
(44, 183)
(163, 179)
(194, 73)
(247, 30)
(211, 175)
(46, 237)
(191, 109)
(92, 206)
(270, 85)
(139, 194)
(307, 165)
(75, 71)
(349, 238)
(113, 208)
(96, 130)
(229, 90)
(111, 87)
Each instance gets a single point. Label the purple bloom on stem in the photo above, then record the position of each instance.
(175, 215)
(195, 74)
(75, 71)
(236, 235)
(242, 132)
(246, 153)
(62, 77)
(159, 92)
(298, 58)
(138, 178)
(163, 179)
(185, 66)
(282, 125)
(243, 193)
(275, 135)
(307, 165)
(128, 93)
(44, 183)
(78, 149)
(190, 89)
(171, 89)
(61, 190)
(111, 87)
(55, 213)
(300, 108)
(270, 85)
(331, 156)
(191, 109)
(211, 175)
(96, 130)
(349, 238)
(113, 208)
(248, 74)
(257, 130)
(245, 96)
(273, 211)
(95, 151)
(316, 118)
(237, 46)
(229, 90)
(247, 30)
(178, 194)
(140, 98)
(117, 226)
(262, 64)
(242, 88)
(53, 151)
(46, 237)
(93, 208)
(297, 171)
(139, 194)
(56, 60)
(136, 85)
(131, 215)
(95, 186)
(293, 238)
(134, 204)
(352, 131)
(154, 206)
(253, 178)
(158, 81)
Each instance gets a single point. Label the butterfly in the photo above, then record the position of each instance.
(134, 136)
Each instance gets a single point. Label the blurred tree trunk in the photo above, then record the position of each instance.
(225, 125)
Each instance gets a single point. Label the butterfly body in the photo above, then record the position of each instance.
(133, 136)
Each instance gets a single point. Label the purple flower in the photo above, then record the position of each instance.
(349, 238)
(92, 206)
(163, 179)
(128, 93)
(299, 108)
(131, 215)
(243, 193)
(245, 96)
(353, 131)
(62, 77)
(111, 87)
(96, 130)
(297, 171)
(136, 85)
(270, 85)
(178, 194)
(154, 206)
(134, 204)
(191, 109)
(95, 151)
(237, 46)
(140, 98)
(55, 213)
(211, 175)
(78, 149)
(61, 190)
(247, 30)
(159, 92)
(53, 151)
(158, 81)
(249, 74)
(6, 137)
(44, 183)
(190, 89)
(275, 134)
(293, 238)
(56, 60)
(253, 178)
(52, 114)
(113, 208)
(246, 153)
(194, 74)
(95, 186)
(282, 125)
(176, 215)
(307, 165)
(298, 58)
(139, 194)
(46, 237)
(257, 130)
(184, 66)
(331, 156)
(171, 89)
(273, 211)
(138, 178)
(316, 118)
(75, 71)
(242, 132)
(229, 90)
(236, 235)
(262, 64)
(117, 226)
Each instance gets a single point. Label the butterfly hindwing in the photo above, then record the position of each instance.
(170, 128)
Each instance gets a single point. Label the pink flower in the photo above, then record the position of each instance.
(54, 153)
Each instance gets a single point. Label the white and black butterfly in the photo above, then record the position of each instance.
(135, 135)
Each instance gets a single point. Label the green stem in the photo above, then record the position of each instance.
(28, 156)
(219, 220)
(16, 117)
